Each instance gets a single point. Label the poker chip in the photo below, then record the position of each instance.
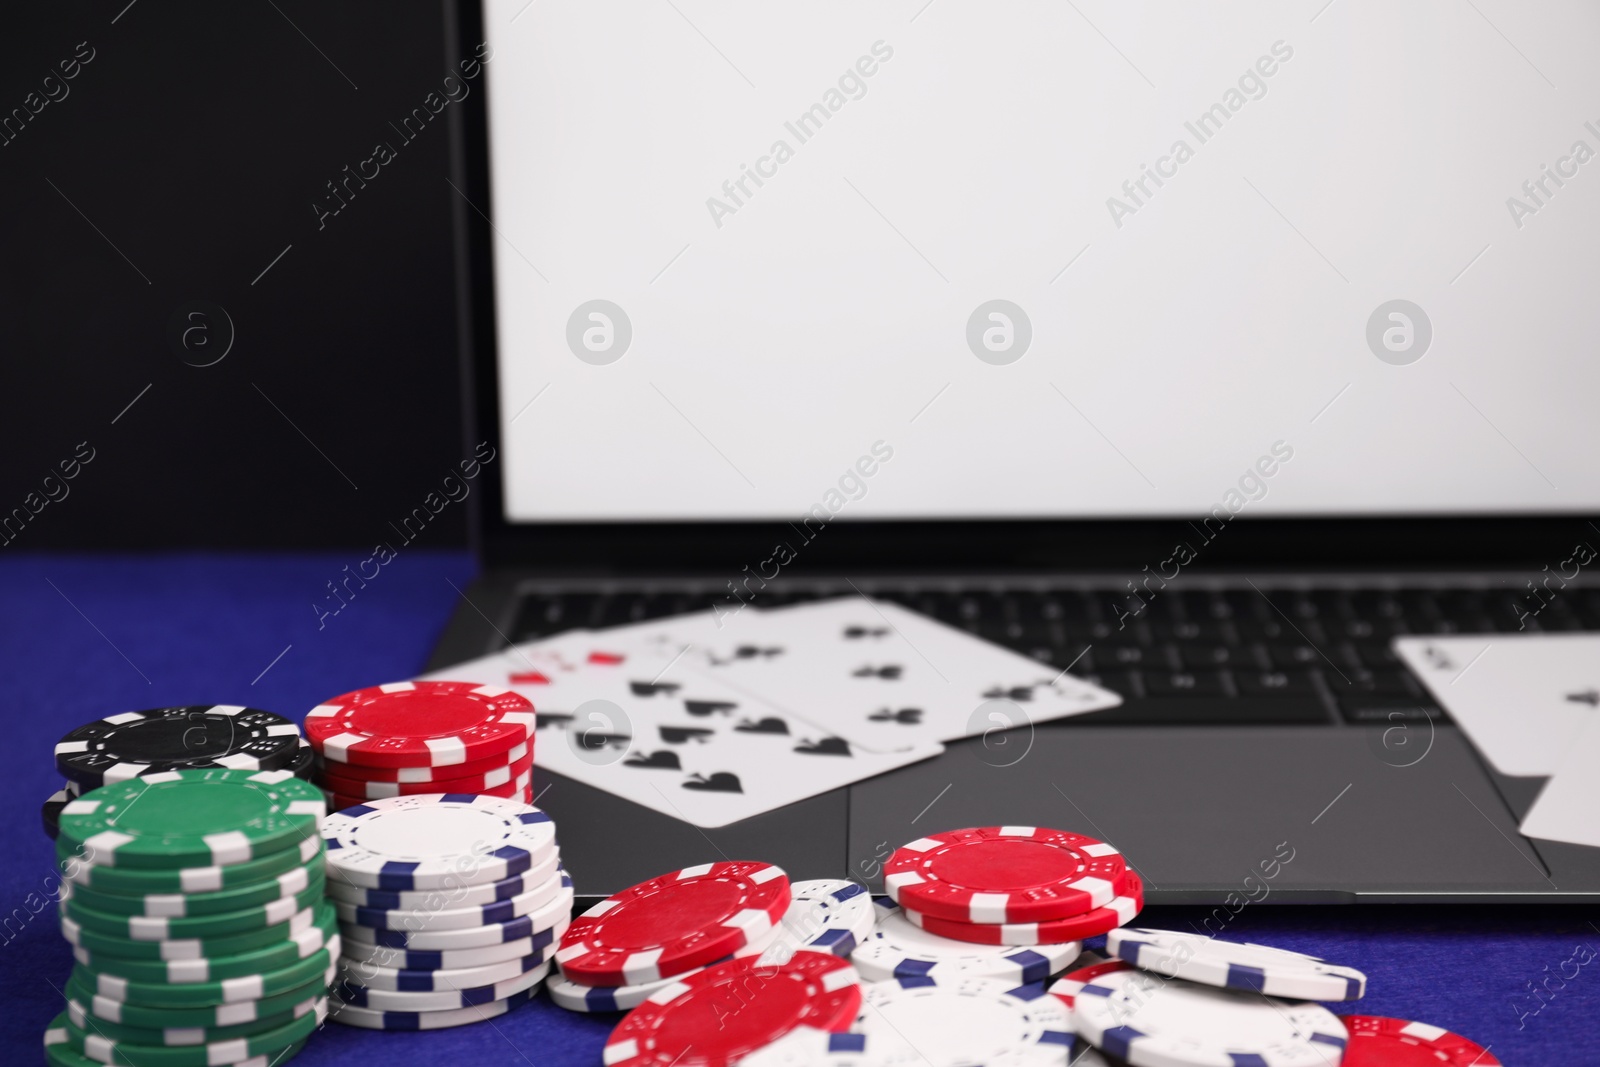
(372, 1019)
(190, 948)
(719, 1016)
(135, 743)
(1151, 1021)
(305, 761)
(359, 996)
(179, 905)
(230, 1014)
(207, 994)
(473, 783)
(1093, 923)
(575, 996)
(818, 1048)
(1377, 1041)
(542, 942)
(372, 976)
(484, 936)
(952, 1022)
(1236, 965)
(519, 789)
(824, 915)
(359, 772)
(672, 923)
(420, 918)
(1004, 874)
(194, 1035)
(51, 812)
(449, 896)
(192, 818)
(280, 954)
(1066, 988)
(162, 928)
(410, 724)
(898, 948)
(435, 840)
(58, 1052)
(134, 881)
(267, 1043)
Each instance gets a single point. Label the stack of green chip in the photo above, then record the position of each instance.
(194, 904)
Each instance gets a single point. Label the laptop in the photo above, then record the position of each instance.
(1198, 350)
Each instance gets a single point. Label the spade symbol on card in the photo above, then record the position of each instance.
(746, 652)
(855, 633)
(662, 761)
(889, 673)
(650, 689)
(702, 708)
(718, 782)
(828, 746)
(541, 719)
(1438, 659)
(1590, 697)
(904, 716)
(529, 678)
(769, 725)
(677, 735)
(1019, 693)
(594, 740)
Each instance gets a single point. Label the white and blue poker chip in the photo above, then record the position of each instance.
(405, 1000)
(1236, 965)
(443, 917)
(556, 912)
(809, 1047)
(1151, 1021)
(965, 1020)
(375, 976)
(457, 895)
(435, 840)
(898, 948)
(373, 1019)
(831, 915)
(540, 943)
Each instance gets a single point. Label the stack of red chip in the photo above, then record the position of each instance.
(1013, 885)
(423, 737)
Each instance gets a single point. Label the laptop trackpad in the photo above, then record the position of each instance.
(1326, 812)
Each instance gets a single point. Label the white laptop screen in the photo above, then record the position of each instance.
(952, 259)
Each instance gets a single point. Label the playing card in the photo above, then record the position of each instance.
(1568, 808)
(877, 674)
(640, 724)
(1521, 698)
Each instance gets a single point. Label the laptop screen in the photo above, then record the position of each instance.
(941, 259)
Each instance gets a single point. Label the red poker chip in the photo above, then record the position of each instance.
(411, 724)
(477, 783)
(674, 923)
(1004, 874)
(520, 788)
(357, 772)
(1378, 1041)
(1119, 912)
(722, 1014)
(1067, 986)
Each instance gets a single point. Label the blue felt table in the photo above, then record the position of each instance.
(86, 636)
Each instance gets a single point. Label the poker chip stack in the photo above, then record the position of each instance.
(123, 746)
(193, 900)
(677, 927)
(449, 904)
(411, 738)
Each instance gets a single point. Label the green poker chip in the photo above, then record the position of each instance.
(104, 1050)
(235, 1014)
(58, 1050)
(192, 818)
(192, 948)
(185, 905)
(187, 1036)
(222, 924)
(324, 932)
(207, 994)
(207, 879)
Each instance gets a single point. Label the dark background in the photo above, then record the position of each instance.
(195, 142)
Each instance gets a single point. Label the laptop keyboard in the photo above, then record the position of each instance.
(1192, 657)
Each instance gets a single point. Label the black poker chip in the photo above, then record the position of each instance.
(51, 812)
(137, 743)
(304, 765)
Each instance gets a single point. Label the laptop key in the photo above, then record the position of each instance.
(1274, 683)
(1199, 657)
(1185, 683)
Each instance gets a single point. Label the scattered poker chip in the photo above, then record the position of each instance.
(1066, 988)
(133, 881)
(898, 948)
(1004, 874)
(435, 841)
(1236, 965)
(357, 996)
(51, 812)
(191, 948)
(1119, 912)
(359, 772)
(542, 943)
(1377, 1041)
(674, 922)
(321, 935)
(420, 918)
(450, 896)
(824, 915)
(519, 789)
(192, 818)
(407, 724)
(574, 996)
(1151, 1021)
(162, 928)
(268, 1043)
(193, 1035)
(372, 976)
(484, 936)
(724, 1013)
(818, 1048)
(137, 743)
(371, 1019)
(231, 1014)
(58, 1052)
(966, 1020)
(206, 994)
(177, 905)
(472, 783)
